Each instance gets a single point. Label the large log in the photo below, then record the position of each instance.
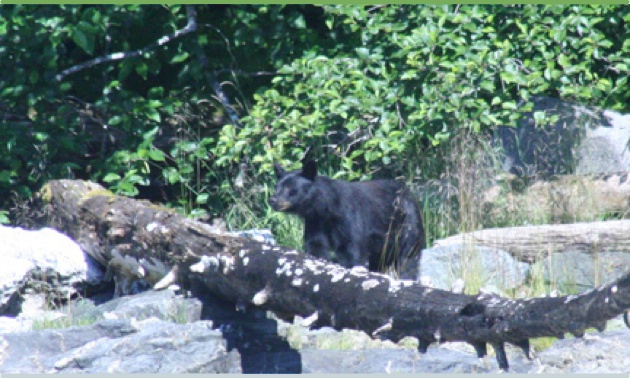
(532, 243)
(136, 238)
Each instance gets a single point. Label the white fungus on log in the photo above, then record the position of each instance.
(261, 297)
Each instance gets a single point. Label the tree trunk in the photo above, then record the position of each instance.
(137, 238)
(532, 243)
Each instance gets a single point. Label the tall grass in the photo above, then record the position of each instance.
(458, 178)
(249, 208)
(65, 318)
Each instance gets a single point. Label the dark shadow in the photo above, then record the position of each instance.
(252, 333)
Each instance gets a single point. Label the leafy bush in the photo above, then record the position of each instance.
(407, 78)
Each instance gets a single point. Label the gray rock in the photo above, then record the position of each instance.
(45, 261)
(244, 342)
(604, 352)
(594, 353)
(491, 267)
(577, 271)
(604, 147)
(155, 331)
(163, 305)
(583, 140)
(120, 346)
(31, 307)
(436, 360)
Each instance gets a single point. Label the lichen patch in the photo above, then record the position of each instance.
(369, 284)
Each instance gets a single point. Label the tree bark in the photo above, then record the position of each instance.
(532, 243)
(136, 238)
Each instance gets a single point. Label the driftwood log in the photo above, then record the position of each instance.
(137, 239)
(533, 243)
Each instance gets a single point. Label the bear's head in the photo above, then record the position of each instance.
(294, 189)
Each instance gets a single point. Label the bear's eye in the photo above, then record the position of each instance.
(292, 192)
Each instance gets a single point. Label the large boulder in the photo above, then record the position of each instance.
(604, 148)
(594, 354)
(574, 271)
(43, 261)
(492, 268)
(583, 140)
(120, 346)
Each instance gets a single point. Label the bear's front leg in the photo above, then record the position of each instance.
(317, 246)
(350, 256)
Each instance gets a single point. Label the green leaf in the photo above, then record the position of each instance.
(111, 177)
(363, 52)
(540, 117)
(202, 198)
(142, 69)
(83, 36)
(126, 67)
(172, 175)
(563, 60)
(156, 155)
(81, 39)
(41, 136)
(509, 105)
(154, 115)
(34, 77)
(115, 120)
(182, 56)
(4, 219)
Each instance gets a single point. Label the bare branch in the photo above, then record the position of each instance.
(244, 73)
(377, 7)
(191, 26)
(217, 88)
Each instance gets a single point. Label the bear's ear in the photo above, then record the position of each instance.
(280, 172)
(309, 170)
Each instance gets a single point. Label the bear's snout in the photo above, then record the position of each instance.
(278, 205)
(273, 201)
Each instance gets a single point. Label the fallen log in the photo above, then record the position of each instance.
(136, 239)
(532, 243)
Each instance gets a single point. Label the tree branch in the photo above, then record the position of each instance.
(211, 78)
(191, 26)
(244, 73)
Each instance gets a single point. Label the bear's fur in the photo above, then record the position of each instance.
(375, 224)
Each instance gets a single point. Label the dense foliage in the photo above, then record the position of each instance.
(369, 91)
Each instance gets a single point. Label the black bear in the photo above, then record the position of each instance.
(375, 223)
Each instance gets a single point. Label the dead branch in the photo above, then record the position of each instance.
(190, 27)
